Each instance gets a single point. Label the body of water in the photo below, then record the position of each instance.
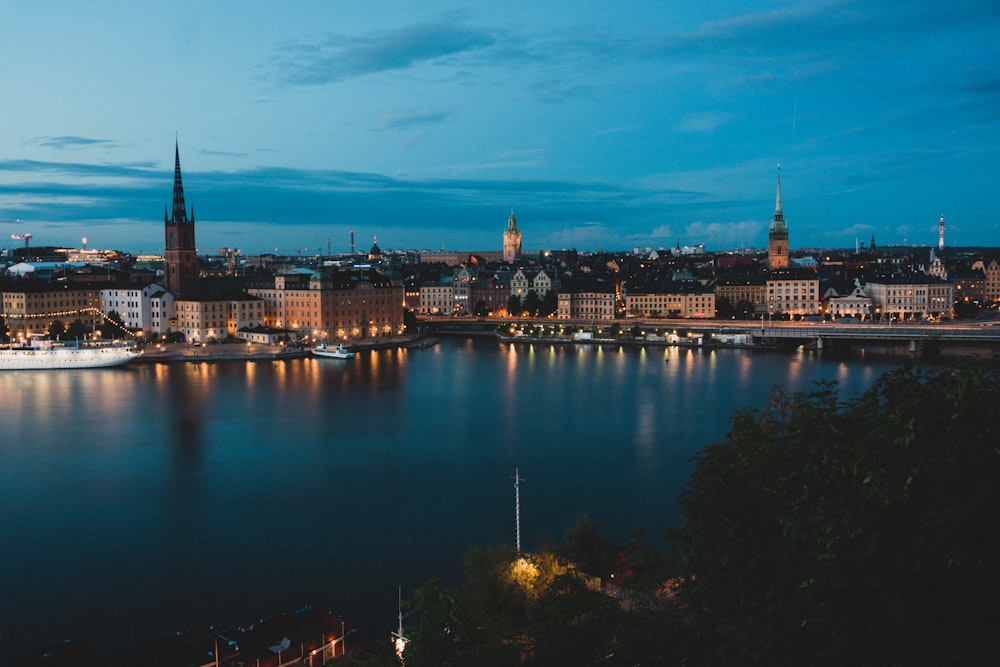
(158, 497)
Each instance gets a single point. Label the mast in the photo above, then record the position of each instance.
(398, 638)
(517, 509)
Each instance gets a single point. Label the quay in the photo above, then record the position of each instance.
(935, 339)
(247, 351)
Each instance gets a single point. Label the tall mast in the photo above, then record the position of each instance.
(517, 509)
(398, 638)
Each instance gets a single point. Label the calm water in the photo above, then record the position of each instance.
(152, 498)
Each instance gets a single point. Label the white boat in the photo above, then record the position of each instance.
(332, 352)
(39, 353)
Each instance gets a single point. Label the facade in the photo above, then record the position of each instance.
(33, 310)
(438, 298)
(491, 294)
(530, 280)
(679, 304)
(749, 289)
(511, 240)
(587, 305)
(793, 292)
(147, 310)
(180, 252)
(339, 305)
(777, 236)
(911, 298)
(991, 284)
(857, 304)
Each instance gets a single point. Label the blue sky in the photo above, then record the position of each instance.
(603, 125)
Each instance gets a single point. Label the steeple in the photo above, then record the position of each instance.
(778, 222)
(777, 234)
(179, 249)
(179, 212)
(511, 239)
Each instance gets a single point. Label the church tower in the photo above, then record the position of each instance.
(777, 235)
(180, 251)
(511, 240)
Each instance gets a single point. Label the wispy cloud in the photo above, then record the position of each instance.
(403, 119)
(339, 58)
(69, 141)
(702, 122)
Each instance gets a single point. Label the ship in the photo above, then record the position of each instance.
(332, 351)
(40, 353)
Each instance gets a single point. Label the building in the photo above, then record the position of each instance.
(777, 235)
(34, 307)
(511, 240)
(744, 289)
(792, 292)
(147, 310)
(180, 251)
(335, 305)
(587, 299)
(670, 303)
(991, 284)
(911, 298)
(857, 304)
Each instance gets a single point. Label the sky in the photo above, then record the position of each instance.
(602, 125)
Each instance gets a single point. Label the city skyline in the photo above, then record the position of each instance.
(602, 127)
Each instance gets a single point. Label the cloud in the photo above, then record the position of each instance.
(702, 122)
(340, 58)
(717, 235)
(69, 141)
(395, 121)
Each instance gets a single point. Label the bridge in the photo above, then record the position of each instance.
(969, 338)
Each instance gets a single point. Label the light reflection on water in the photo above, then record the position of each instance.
(157, 497)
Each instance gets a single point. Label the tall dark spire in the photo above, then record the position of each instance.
(179, 213)
(179, 249)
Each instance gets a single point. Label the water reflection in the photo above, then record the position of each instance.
(166, 496)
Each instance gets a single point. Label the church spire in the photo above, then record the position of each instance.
(777, 234)
(779, 216)
(179, 212)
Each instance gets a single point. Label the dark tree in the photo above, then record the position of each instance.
(514, 305)
(76, 330)
(864, 532)
(56, 329)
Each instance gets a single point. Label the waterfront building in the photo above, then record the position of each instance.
(777, 235)
(208, 319)
(737, 289)
(147, 310)
(491, 294)
(33, 307)
(587, 300)
(856, 304)
(438, 298)
(180, 251)
(340, 305)
(792, 292)
(511, 240)
(911, 297)
(670, 303)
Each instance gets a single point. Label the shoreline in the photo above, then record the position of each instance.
(244, 351)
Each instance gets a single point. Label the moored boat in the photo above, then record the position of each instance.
(39, 353)
(332, 351)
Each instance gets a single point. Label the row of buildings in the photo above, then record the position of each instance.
(366, 296)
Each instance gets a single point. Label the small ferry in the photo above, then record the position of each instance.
(40, 353)
(332, 351)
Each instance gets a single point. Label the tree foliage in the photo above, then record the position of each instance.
(859, 532)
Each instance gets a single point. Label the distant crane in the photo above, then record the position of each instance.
(26, 236)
